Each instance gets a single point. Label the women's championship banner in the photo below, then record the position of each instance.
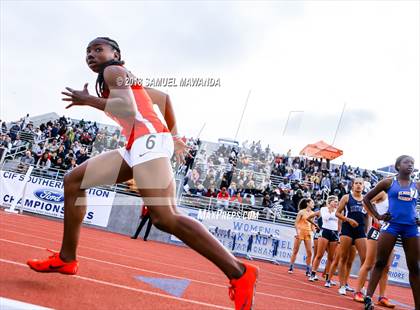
(46, 197)
(270, 241)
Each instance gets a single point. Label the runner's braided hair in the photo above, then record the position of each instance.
(100, 81)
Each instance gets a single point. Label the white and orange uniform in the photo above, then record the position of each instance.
(147, 137)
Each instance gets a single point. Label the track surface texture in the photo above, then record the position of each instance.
(110, 265)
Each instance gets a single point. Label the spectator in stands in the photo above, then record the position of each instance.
(236, 200)
(100, 143)
(224, 183)
(3, 127)
(25, 121)
(17, 144)
(44, 161)
(86, 138)
(61, 152)
(298, 195)
(367, 184)
(343, 170)
(72, 164)
(28, 158)
(267, 206)
(29, 128)
(113, 144)
(59, 164)
(81, 156)
(250, 187)
(247, 200)
(54, 130)
(326, 182)
(287, 202)
(232, 189)
(76, 147)
(223, 198)
(189, 158)
(37, 135)
(316, 180)
(209, 180)
(341, 190)
(195, 176)
(211, 192)
(53, 146)
(53, 158)
(200, 190)
(6, 143)
(297, 173)
(71, 136)
(70, 155)
(13, 131)
(25, 161)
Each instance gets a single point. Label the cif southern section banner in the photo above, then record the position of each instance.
(270, 241)
(46, 196)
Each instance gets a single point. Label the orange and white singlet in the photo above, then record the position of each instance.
(146, 120)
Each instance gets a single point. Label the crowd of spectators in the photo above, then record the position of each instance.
(232, 176)
(235, 178)
(61, 144)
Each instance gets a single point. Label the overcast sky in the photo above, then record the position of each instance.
(318, 58)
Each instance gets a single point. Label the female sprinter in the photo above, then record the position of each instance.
(317, 235)
(329, 233)
(146, 158)
(352, 229)
(401, 221)
(333, 267)
(381, 204)
(303, 233)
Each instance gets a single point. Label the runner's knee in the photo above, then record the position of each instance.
(164, 221)
(71, 182)
(413, 267)
(381, 263)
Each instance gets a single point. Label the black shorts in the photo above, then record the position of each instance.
(353, 232)
(373, 234)
(330, 235)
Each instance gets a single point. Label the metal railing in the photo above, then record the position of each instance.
(275, 214)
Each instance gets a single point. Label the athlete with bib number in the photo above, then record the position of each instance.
(401, 220)
(329, 234)
(146, 158)
(352, 229)
(381, 204)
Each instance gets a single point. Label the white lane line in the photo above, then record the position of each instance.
(192, 280)
(128, 288)
(11, 304)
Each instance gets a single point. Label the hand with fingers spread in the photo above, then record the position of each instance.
(77, 97)
(180, 149)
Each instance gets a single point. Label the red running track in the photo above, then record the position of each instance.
(110, 262)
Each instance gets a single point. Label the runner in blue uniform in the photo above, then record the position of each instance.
(352, 229)
(401, 220)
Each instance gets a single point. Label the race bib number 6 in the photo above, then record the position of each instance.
(151, 142)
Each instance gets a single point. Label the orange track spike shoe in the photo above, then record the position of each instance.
(242, 290)
(54, 264)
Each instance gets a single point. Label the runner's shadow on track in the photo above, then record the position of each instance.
(28, 284)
